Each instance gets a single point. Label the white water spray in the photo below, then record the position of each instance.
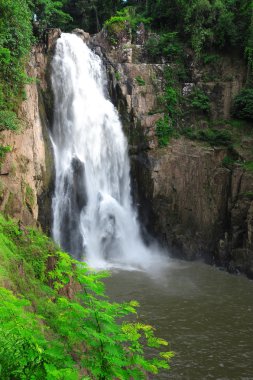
(93, 215)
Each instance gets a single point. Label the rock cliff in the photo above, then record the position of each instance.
(195, 203)
(26, 171)
(188, 197)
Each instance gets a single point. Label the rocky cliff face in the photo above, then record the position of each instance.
(190, 200)
(197, 206)
(26, 173)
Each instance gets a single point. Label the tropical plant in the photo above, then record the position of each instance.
(48, 331)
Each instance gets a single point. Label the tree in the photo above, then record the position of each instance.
(91, 14)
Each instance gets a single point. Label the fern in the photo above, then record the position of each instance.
(42, 330)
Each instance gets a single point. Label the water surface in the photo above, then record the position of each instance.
(205, 314)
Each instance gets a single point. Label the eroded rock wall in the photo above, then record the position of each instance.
(27, 170)
(187, 197)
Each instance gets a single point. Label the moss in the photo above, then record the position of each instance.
(248, 165)
(3, 151)
(228, 162)
(2, 189)
(29, 197)
(140, 81)
(248, 195)
(117, 75)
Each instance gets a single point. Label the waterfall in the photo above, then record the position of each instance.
(93, 216)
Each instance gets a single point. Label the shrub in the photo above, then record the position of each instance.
(117, 75)
(164, 131)
(243, 105)
(126, 16)
(8, 120)
(199, 100)
(227, 162)
(248, 165)
(165, 45)
(170, 98)
(210, 135)
(209, 59)
(3, 151)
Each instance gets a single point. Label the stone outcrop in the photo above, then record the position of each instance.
(83, 35)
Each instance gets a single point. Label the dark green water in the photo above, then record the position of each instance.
(205, 314)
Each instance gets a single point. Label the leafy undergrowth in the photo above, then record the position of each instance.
(56, 322)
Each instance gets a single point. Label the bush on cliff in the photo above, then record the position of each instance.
(16, 38)
(15, 42)
(163, 45)
(243, 105)
(210, 135)
(56, 322)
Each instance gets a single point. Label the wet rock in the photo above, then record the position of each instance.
(79, 194)
(82, 34)
(52, 36)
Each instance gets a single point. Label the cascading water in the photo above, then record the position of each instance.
(93, 215)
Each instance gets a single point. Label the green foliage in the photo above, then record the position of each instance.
(29, 197)
(50, 14)
(210, 23)
(171, 98)
(164, 131)
(8, 120)
(208, 58)
(57, 311)
(170, 103)
(125, 16)
(248, 165)
(248, 194)
(202, 24)
(246, 12)
(210, 135)
(117, 75)
(199, 100)
(3, 151)
(243, 105)
(164, 45)
(5, 56)
(16, 37)
(228, 162)
(15, 41)
(140, 81)
(90, 15)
